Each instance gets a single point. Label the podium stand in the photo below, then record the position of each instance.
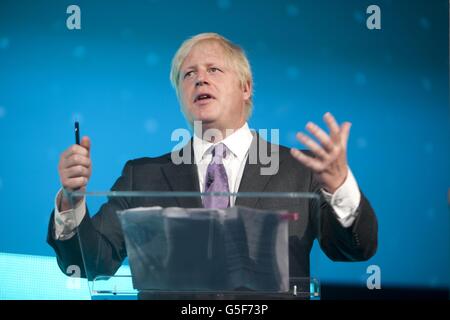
(179, 250)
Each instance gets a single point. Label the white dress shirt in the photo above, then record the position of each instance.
(344, 201)
(237, 146)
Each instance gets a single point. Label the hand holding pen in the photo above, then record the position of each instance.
(75, 167)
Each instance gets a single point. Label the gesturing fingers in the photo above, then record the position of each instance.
(313, 146)
(312, 163)
(345, 132)
(321, 135)
(326, 152)
(329, 159)
(331, 145)
(333, 126)
(339, 134)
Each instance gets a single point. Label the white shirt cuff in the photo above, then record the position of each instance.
(345, 200)
(67, 221)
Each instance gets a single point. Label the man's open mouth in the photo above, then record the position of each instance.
(203, 96)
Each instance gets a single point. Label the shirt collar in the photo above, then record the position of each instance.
(238, 143)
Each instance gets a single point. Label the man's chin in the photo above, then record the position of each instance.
(206, 119)
(205, 123)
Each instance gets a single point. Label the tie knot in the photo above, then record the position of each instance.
(219, 153)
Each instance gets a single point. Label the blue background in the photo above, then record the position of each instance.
(308, 57)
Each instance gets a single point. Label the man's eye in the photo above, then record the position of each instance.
(213, 69)
(188, 74)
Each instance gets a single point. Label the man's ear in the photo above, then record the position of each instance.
(247, 90)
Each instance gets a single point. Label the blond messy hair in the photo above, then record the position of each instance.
(235, 54)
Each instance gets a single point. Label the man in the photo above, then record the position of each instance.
(213, 82)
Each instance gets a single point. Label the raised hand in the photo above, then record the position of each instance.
(329, 162)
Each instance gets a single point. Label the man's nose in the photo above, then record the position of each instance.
(201, 79)
(200, 83)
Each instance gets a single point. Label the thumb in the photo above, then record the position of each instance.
(86, 143)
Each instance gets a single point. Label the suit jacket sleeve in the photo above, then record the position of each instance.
(100, 237)
(355, 243)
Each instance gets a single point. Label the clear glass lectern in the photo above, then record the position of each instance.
(166, 245)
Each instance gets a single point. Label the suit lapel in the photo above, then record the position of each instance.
(252, 179)
(183, 177)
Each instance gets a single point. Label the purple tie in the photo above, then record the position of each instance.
(216, 180)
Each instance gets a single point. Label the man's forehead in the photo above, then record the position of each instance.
(205, 54)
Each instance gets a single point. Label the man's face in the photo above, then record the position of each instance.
(210, 90)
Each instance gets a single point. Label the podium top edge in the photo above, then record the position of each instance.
(170, 194)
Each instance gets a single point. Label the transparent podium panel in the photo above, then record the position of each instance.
(168, 245)
(120, 287)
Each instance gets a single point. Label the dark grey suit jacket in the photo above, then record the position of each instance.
(103, 242)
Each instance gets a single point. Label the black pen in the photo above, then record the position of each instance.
(77, 132)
